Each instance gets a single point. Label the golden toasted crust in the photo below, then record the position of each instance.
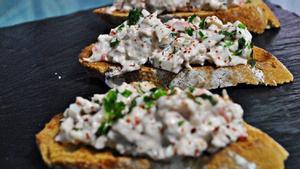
(202, 76)
(256, 15)
(258, 147)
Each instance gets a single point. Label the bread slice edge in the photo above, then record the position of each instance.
(208, 77)
(257, 16)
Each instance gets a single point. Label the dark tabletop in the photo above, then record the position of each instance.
(40, 76)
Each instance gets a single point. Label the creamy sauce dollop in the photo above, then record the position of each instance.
(173, 45)
(174, 5)
(140, 119)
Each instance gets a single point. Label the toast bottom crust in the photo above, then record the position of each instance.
(257, 148)
(208, 77)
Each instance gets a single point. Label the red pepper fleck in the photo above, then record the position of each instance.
(112, 33)
(137, 121)
(197, 152)
(242, 138)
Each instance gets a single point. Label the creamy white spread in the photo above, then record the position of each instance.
(173, 45)
(142, 120)
(176, 5)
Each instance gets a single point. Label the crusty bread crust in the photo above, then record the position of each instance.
(258, 147)
(256, 15)
(208, 77)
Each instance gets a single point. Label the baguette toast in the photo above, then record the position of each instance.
(258, 147)
(208, 77)
(256, 15)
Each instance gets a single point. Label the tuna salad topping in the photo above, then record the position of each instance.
(142, 120)
(173, 45)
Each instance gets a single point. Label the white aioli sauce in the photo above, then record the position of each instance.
(154, 122)
(173, 5)
(173, 45)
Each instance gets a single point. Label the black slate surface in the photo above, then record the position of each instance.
(34, 55)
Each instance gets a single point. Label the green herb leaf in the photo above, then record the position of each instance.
(248, 1)
(180, 123)
(227, 34)
(201, 34)
(189, 31)
(191, 89)
(134, 16)
(120, 27)
(158, 93)
(133, 104)
(148, 102)
(209, 98)
(242, 43)
(114, 43)
(250, 45)
(202, 24)
(242, 26)
(228, 43)
(238, 52)
(112, 112)
(230, 58)
(174, 34)
(127, 93)
(117, 109)
(103, 129)
(191, 18)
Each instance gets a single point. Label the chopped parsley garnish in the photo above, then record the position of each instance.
(191, 89)
(114, 42)
(242, 43)
(127, 93)
(250, 45)
(227, 34)
(248, 1)
(242, 26)
(159, 93)
(230, 58)
(238, 52)
(156, 94)
(251, 62)
(202, 24)
(133, 104)
(103, 129)
(134, 16)
(202, 35)
(180, 123)
(228, 43)
(191, 18)
(174, 34)
(189, 31)
(120, 27)
(148, 102)
(112, 112)
(209, 98)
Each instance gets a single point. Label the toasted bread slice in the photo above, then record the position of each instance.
(257, 148)
(208, 77)
(256, 15)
